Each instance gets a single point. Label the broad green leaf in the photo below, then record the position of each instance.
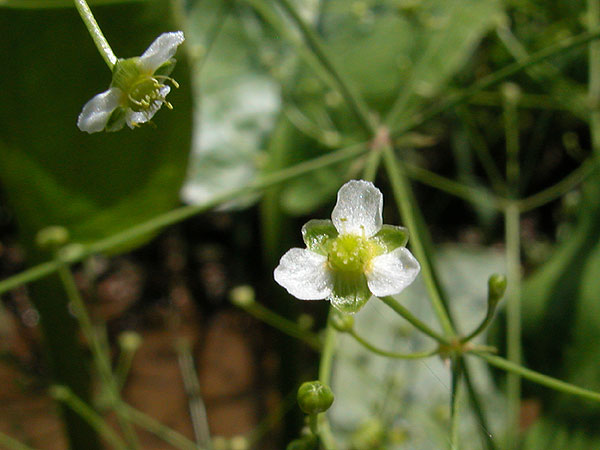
(411, 397)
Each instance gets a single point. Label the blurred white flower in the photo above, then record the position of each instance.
(350, 257)
(138, 88)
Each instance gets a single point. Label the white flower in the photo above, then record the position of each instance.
(137, 89)
(350, 257)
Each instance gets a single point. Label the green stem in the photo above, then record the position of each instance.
(387, 354)
(64, 394)
(484, 426)
(101, 43)
(455, 403)
(513, 313)
(183, 213)
(404, 198)
(314, 43)
(496, 77)
(559, 189)
(279, 322)
(468, 193)
(168, 435)
(271, 421)
(538, 378)
(12, 444)
(192, 389)
(416, 322)
(101, 357)
(593, 20)
(325, 365)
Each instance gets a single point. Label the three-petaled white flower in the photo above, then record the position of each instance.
(138, 88)
(350, 257)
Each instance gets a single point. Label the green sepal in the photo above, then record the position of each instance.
(390, 237)
(125, 72)
(316, 233)
(350, 291)
(165, 69)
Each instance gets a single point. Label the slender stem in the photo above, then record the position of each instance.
(538, 378)
(593, 20)
(315, 44)
(559, 189)
(372, 165)
(513, 312)
(477, 408)
(95, 420)
(325, 365)
(416, 322)
(387, 354)
(101, 357)
(192, 389)
(496, 77)
(279, 322)
(12, 444)
(455, 403)
(183, 213)
(471, 194)
(269, 422)
(101, 43)
(165, 433)
(404, 199)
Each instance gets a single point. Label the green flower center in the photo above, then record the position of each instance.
(142, 90)
(351, 253)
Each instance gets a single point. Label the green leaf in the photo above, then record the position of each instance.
(316, 233)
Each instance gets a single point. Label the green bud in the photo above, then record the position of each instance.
(305, 321)
(314, 397)
(130, 341)
(496, 289)
(511, 92)
(59, 392)
(305, 443)
(341, 322)
(52, 238)
(242, 296)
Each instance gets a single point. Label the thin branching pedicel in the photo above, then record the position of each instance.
(350, 257)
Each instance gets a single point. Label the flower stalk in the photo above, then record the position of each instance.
(96, 33)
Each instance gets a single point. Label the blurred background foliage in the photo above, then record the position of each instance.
(254, 100)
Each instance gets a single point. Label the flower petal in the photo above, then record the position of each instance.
(160, 51)
(392, 272)
(316, 232)
(350, 292)
(95, 113)
(358, 209)
(304, 274)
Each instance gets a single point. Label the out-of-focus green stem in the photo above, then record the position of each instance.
(64, 394)
(593, 21)
(183, 213)
(378, 351)
(404, 196)
(412, 319)
(455, 403)
(12, 444)
(538, 378)
(101, 43)
(325, 365)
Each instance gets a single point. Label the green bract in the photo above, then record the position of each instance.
(350, 257)
(138, 88)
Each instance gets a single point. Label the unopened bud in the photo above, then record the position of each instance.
(496, 289)
(314, 397)
(242, 296)
(52, 238)
(130, 341)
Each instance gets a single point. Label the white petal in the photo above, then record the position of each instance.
(304, 274)
(97, 111)
(392, 272)
(160, 51)
(358, 209)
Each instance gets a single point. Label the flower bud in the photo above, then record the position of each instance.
(52, 238)
(496, 289)
(242, 296)
(314, 397)
(341, 322)
(130, 341)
